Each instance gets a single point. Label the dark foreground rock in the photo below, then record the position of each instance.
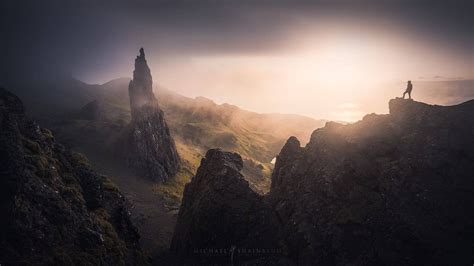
(219, 215)
(55, 209)
(391, 189)
(147, 144)
(394, 189)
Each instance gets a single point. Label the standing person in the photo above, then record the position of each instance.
(408, 90)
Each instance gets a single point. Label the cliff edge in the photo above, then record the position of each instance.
(394, 189)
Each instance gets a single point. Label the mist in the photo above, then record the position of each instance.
(298, 57)
(256, 132)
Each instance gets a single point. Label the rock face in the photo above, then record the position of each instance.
(140, 88)
(149, 148)
(392, 189)
(220, 211)
(56, 210)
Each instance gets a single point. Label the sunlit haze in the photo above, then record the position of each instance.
(333, 61)
(336, 74)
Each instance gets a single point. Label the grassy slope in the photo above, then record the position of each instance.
(196, 125)
(199, 124)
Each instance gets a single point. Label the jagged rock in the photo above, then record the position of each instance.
(141, 86)
(56, 210)
(220, 211)
(147, 143)
(290, 152)
(392, 189)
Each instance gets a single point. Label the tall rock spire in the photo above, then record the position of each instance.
(149, 148)
(141, 87)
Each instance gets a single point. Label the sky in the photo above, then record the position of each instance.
(324, 59)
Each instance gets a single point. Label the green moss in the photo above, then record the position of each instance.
(112, 243)
(172, 190)
(109, 185)
(74, 193)
(47, 134)
(80, 159)
(40, 162)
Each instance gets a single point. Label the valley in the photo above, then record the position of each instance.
(93, 119)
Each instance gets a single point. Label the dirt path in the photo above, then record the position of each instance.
(155, 223)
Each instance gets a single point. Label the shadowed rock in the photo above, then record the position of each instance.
(147, 144)
(56, 210)
(220, 211)
(392, 189)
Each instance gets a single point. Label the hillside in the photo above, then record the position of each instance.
(200, 124)
(391, 189)
(57, 210)
(196, 124)
(92, 118)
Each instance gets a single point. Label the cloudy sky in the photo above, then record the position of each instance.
(326, 59)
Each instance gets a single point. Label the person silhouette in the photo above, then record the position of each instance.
(408, 90)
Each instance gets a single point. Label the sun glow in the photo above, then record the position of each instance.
(336, 75)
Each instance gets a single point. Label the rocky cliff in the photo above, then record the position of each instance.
(392, 189)
(56, 210)
(147, 143)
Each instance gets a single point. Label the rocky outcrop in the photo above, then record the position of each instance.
(147, 143)
(140, 88)
(56, 210)
(219, 214)
(289, 153)
(392, 189)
